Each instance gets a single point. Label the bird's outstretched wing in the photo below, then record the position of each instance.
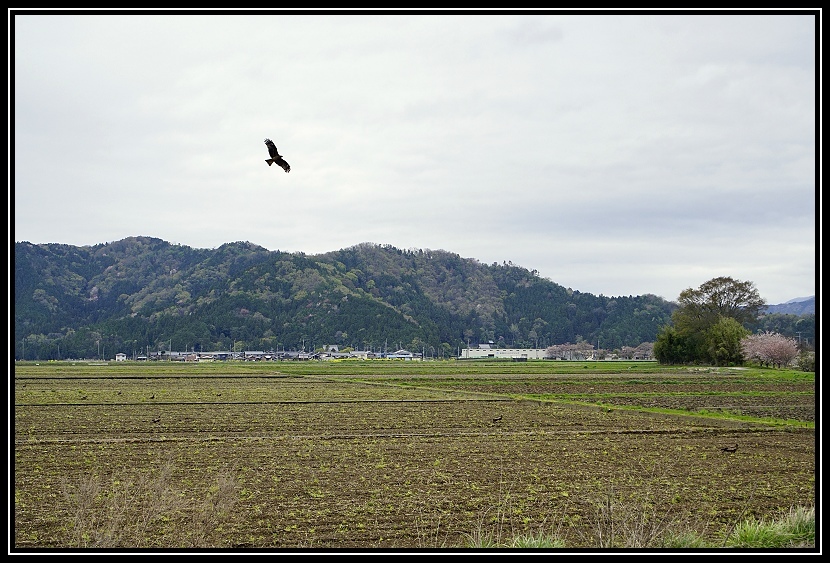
(281, 162)
(276, 156)
(272, 150)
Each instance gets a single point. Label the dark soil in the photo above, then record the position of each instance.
(344, 468)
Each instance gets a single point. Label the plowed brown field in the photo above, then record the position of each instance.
(403, 462)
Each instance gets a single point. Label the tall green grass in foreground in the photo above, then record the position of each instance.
(794, 530)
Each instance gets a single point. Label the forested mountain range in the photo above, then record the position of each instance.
(145, 294)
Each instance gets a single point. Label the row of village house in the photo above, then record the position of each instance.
(332, 353)
(259, 355)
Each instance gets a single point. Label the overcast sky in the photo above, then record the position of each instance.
(614, 154)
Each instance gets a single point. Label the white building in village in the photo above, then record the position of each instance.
(486, 351)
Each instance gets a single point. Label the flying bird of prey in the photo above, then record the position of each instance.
(276, 156)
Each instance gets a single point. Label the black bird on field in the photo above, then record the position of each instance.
(276, 156)
(157, 419)
(497, 419)
(730, 449)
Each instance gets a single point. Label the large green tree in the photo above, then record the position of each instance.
(710, 322)
(701, 308)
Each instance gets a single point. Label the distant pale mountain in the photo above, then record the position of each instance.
(797, 306)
